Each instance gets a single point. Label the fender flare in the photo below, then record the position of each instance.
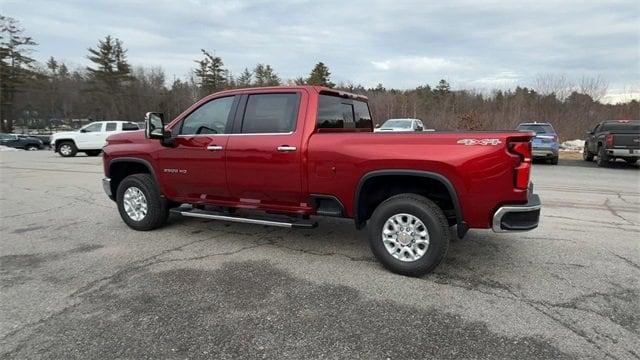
(461, 226)
(143, 162)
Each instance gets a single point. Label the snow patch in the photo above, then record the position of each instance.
(572, 145)
(6, 148)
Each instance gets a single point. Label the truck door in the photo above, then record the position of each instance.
(194, 169)
(264, 157)
(90, 136)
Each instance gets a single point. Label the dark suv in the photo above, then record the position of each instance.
(20, 142)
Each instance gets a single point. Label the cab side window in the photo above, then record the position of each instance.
(112, 126)
(210, 118)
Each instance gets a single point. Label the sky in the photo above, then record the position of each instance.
(479, 45)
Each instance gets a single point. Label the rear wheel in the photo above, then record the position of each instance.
(586, 154)
(631, 161)
(140, 203)
(603, 158)
(67, 149)
(409, 234)
(32, 147)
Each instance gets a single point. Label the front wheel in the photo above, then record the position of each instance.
(67, 149)
(32, 147)
(554, 160)
(140, 203)
(586, 154)
(409, 234)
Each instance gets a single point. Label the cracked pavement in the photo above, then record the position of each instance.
(75, 282)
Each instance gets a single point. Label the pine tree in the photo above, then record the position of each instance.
(109, 76)
(265, 76)
(244, 80)
(210, 74)
(320, 76)
(111, 66)
(15, 67)
(443, 88)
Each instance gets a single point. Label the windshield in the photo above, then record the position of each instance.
(403, 124)
(621, 126)
(537, 128)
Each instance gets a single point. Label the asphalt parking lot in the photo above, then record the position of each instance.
(75, 282)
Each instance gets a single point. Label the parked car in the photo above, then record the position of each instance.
(89, 139)
(402, 125)
(20, 142)
(545, 142)
(307, 150)
(613, 139)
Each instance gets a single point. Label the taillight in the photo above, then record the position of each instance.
(522, 171)
(609, 140)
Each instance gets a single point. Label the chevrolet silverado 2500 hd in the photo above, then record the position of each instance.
(289, 153)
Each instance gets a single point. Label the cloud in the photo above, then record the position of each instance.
(400, 44)
(418, 63)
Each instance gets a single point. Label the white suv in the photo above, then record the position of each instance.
(89, 139)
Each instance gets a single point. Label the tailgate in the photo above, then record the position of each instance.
(626, 141)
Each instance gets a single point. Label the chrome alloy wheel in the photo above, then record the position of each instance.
(65, 149)
(405, 237)
(135, 203)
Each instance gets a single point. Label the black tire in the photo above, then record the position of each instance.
(603, 158)
(429, 214)
(586, 154)
(631, 161)
(157, 205)
(93, 152)
(32, 147)
(554, 161)
(73, 150)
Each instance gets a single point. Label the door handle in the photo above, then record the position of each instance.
(286, 148)
(214, 147)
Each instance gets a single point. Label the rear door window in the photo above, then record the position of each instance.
(111, 126)
(270, 113)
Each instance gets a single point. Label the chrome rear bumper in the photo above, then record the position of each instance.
(525, 217)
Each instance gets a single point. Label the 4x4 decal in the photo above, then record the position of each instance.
(480, 141)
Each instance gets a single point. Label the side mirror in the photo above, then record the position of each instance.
(83, 130)
(154, 125)
(419, 128)
(154, 129)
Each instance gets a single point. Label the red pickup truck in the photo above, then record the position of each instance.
(280, 155)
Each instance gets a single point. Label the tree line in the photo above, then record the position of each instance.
(44, 96)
